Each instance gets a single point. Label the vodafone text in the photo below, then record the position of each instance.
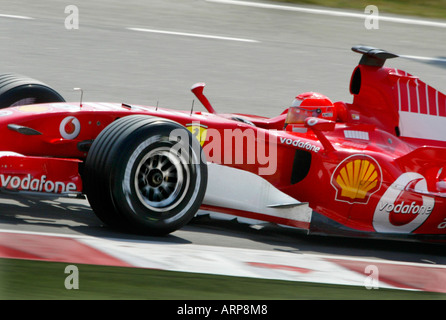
(299, 144)
(406, 208)
(29, 183)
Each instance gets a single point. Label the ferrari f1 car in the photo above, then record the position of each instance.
(376, 166)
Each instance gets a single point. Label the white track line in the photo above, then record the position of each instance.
(196, 35)
(15, 17)
(331, 12)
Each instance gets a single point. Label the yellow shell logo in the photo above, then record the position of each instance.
(356, 178)
(198, 131)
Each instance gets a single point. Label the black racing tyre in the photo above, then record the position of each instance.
(145, 175)
(16, 90)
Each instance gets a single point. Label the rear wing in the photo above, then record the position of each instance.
(396, 101)
(373, 56)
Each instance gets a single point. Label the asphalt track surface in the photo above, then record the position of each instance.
(254, 60)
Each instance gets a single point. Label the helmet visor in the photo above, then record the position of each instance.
(297, 115)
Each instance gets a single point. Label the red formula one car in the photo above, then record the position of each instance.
(376, 166)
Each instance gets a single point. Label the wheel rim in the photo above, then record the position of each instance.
(161, 180)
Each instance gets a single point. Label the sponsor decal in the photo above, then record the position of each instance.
(405, 208)
(300, 144)
(29, 183)
(356, 178)
(34, 108)
(199, 131)
(354, 134)
(401, 210)
(4, 113)
(70, 128)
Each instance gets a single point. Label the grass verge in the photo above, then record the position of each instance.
(419, 8)
(29, 280)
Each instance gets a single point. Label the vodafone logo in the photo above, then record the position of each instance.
(69, 128)
(402, 211)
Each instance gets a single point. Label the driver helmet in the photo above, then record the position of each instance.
(310, 104)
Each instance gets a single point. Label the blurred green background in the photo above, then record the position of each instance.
(430, 9)
(42, 280)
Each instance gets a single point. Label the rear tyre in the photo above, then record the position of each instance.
(17, 90)
(139, 176)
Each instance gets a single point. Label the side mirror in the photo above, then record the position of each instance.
(318, 126)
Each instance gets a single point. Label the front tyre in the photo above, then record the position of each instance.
(145, 175)
(18, 90)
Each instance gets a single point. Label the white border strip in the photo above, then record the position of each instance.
(15, 17)
(196, 35)
(336, 13)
